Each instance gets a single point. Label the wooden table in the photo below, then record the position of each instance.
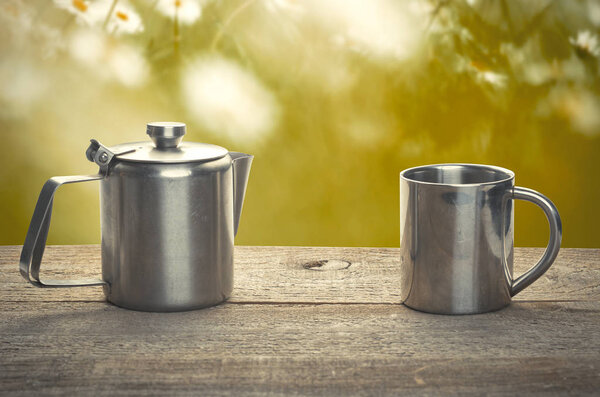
(302, 321)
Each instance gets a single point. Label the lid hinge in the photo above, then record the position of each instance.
(101, 155)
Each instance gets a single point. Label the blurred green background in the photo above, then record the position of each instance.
(333, 97)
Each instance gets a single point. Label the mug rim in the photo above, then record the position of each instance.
(509, 175)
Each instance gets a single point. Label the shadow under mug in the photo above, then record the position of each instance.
(456, 238)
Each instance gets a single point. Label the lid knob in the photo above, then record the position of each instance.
(165, 134)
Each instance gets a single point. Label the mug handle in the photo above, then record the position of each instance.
(524, 280)
(35, 241)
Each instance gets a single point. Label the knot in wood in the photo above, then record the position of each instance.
(327, 264)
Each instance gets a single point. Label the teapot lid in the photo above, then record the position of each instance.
(167, 146)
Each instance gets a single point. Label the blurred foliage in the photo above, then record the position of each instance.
(333, 97)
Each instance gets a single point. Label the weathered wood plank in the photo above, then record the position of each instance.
(318, 349)
(277, 274)
(67, 341)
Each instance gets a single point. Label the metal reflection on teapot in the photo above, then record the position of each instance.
(169, 213)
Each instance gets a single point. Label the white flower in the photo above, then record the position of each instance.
(290, 7)
(578, 105)
(581, 107)
(123, 18)
(383, 29)
(483, 73)
(22, 29)
(84, 11)
(187, 11)
(128, 65)
(493, 78)
(586, 42)
(226, 99)
(73, 6)
(529, 68)
(108, 59)
(87, 46)
(23, 85)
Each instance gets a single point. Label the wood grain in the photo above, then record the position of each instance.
(276, 274)
(318, 349)
(331, 329)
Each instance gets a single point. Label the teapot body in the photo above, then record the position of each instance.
(167, 234)
(169, 211)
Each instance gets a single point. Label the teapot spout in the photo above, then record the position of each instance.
(241, 171)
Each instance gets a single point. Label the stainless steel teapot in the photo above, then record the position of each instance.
(169, 213)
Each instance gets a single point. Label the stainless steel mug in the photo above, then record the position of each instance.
(169, 213)
(456, 237)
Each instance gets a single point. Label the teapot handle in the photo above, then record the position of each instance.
(35, 241)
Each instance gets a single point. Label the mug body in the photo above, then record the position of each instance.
(167, 234)
(456, 232)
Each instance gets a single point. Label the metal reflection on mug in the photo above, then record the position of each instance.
(456, 238)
